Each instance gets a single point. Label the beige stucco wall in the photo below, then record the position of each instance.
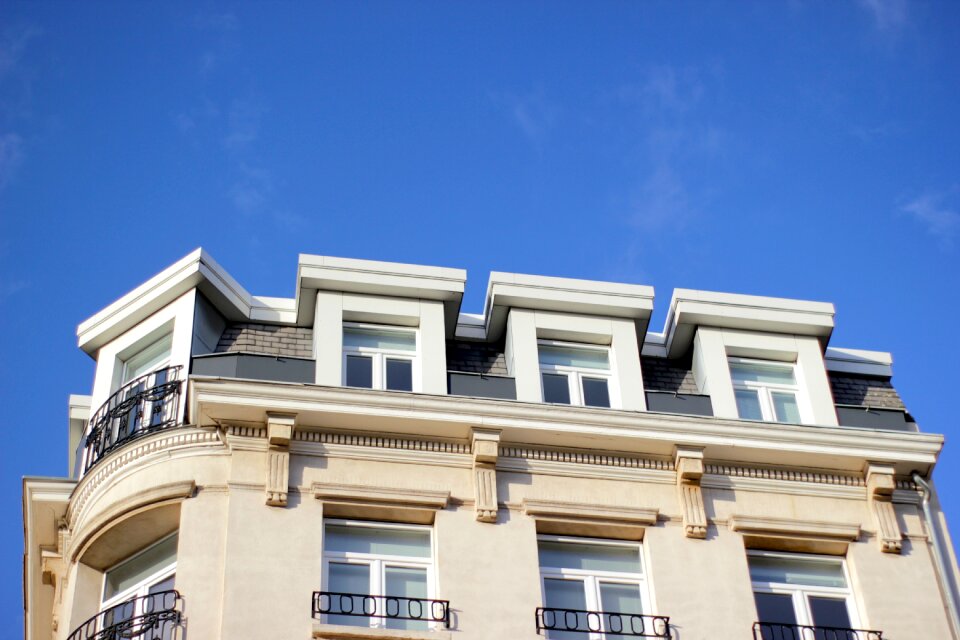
(247, 570)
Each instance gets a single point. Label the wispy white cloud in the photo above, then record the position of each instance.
(12, 286)
(250, 192)
(243, 124)
(222, 46)
(938, 213)
(532, 113)
(224, 22)
(869, 134)
(887, 15)
(11, 156)
(661, 201)
(13, 42)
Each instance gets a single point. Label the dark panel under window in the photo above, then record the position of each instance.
(360, 371)
(595, 392)
(399, 375)
(555, 388)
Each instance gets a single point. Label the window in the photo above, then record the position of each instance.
(142, 585)
(149, 359)
(792, 591)
(575, 374)
(592, 586)
(765, 390)
(378, 575)
(379, 358)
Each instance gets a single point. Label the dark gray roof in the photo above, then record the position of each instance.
(661, 374)
(864, 391)
(476, 357)
(270, 339)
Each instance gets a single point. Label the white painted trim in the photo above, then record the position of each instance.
(824, 447)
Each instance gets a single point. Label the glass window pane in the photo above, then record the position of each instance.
(137, 569)
(556, 389)
(800, 571)
(399, 374)
(574, 357)
(380, 339)
(748, 404)
(762, 373)
(591, 557)
(775, 607)
(360, 371)
(829, 612)
(785, 407)
(565, 594)
(408, 583)
(595, 392)
(148, 359)
(388, 542)
(346, 578)
(618, 601)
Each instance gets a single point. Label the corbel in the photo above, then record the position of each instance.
(486, 445)
(880, 486)
(688, 462)
(280, 428)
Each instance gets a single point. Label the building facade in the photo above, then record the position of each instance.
(366, 460)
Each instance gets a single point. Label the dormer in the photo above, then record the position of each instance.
(570, 341)
(757, 358)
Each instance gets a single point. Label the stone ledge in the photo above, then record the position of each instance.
(571, 518)
(341, 632)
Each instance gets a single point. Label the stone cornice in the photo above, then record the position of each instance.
(841, 448)
(763, 525)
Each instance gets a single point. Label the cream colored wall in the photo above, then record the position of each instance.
(247, 570)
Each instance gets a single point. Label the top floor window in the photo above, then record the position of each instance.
(766, 390)
(379, 357)
(575, 374)
(154, 356)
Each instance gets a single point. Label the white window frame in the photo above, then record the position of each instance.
(575, 375)
(380, 356)
(160, 350)
(591, 579)
(379, 562)
(142, 588)
(799, 593)
(765, 390)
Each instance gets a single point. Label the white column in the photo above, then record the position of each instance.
(626, 355)
(433, 348)
(523, 362)
(328, 337)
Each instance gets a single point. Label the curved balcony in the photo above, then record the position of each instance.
(783, 631)
(150, 617)
(140, 407)
(634, 625)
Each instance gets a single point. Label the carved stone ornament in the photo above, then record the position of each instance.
(280, 428)
(880, 486)
(689, 466)
(486, 443)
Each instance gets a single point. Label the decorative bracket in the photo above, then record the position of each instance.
(280, 428)
(880, 486)
(688, 462)
(486, 445)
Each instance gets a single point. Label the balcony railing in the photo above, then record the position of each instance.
(151, 617)
(621, 624)
(381, 607)
(142, 406)
(783, 631)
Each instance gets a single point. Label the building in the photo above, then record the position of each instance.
(367, 461)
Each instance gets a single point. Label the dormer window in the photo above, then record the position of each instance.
(154, 356)
(765, 390)
(575, 374)
(377, 357)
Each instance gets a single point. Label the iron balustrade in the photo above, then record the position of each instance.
(150, 617)
(635, 625)
(785, 631)
(140, 407)
(382, 607)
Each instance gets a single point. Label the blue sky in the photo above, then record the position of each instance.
(796, 149)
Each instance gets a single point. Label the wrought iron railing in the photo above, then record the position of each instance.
(142, 406)
(151, 617)
(784, 631)
(332, 603)
(620, 624)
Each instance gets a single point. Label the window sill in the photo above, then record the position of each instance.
(343, 632)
